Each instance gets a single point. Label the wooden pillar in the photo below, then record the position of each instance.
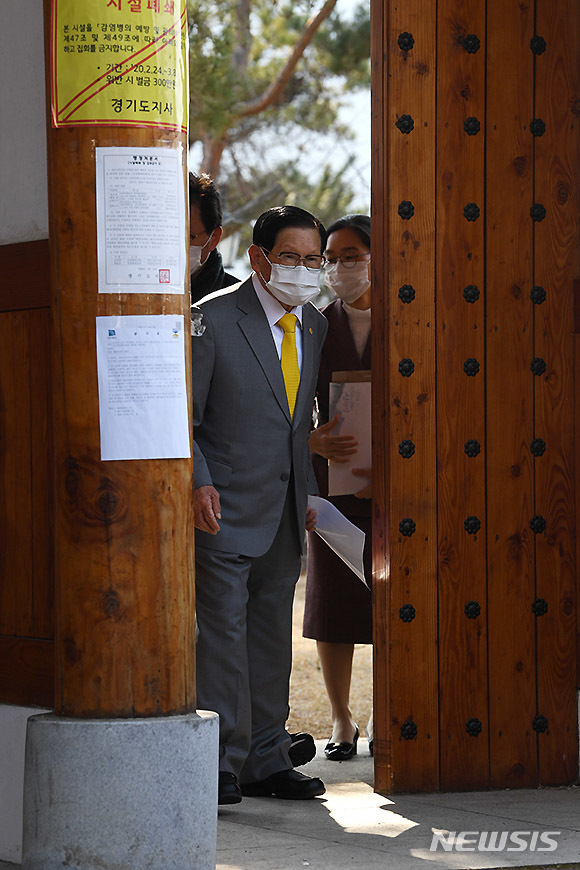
(123, 529)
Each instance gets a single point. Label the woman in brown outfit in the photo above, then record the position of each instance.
(338, 606)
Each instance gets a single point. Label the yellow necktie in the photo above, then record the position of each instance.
(289, 359)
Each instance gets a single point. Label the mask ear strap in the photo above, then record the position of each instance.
(209, 240)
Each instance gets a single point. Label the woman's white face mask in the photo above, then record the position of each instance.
(348, 284)
(293, 285)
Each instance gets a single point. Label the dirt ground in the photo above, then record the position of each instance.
(309, 706)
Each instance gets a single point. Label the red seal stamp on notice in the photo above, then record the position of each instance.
(164, 276)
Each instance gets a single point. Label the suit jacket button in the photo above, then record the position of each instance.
(284, 477)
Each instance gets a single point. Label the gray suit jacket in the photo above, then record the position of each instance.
(245, 442)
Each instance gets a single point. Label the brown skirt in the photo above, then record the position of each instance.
(338, 607)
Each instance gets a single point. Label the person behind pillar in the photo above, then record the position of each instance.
(254, 379)
(337, 606)
(205, 230)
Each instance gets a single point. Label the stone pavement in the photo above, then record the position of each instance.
(353, 827)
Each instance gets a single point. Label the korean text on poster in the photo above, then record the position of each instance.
(142, 392)
(140, 220)
(120, 62)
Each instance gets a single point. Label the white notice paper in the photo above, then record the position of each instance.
(141, 245)
(142, 392)
(342, 536)
(351, 400)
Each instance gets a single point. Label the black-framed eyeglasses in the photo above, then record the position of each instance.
(348, 262)
(290, 259)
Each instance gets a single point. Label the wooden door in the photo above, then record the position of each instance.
(476, 242)
(26, 584)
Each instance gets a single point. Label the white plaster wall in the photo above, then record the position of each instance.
(23, 182)
(12, 743)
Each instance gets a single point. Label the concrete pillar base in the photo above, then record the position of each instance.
(121, 794)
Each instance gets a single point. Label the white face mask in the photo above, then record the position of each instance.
(348, 284)
(293, 285)
(195, 263)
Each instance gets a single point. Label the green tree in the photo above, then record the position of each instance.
(328, 196)
(284, 66)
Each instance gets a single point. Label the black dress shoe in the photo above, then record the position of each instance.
(371, 748)
(229, 791)
(342, 751)
(287, 784)
(303, 748)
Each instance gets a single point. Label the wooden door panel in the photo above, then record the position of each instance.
(16, 587)
(555, 267)
(380, 407)
(26, 571)
(408, 756)
(27, 672)
(25, 479)
(499, 83)
(510, 396)
(39, 324)
(461, 396)
(24, 276)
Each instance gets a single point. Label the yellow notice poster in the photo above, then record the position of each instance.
(119, 62)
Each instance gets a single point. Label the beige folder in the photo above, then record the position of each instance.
(350, 398)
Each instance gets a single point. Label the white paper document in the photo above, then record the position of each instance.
(351, 400)
(141, 245)
(342, 536)
(142, 390)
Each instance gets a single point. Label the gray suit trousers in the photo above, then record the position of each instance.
(244, 649)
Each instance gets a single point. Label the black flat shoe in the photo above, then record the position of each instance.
(287, 784)
(303, 748)
(229, 791)
(342, 751)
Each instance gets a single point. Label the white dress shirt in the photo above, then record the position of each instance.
(274, 311)
(359, 320)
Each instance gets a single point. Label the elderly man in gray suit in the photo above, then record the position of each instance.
(255, 365)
